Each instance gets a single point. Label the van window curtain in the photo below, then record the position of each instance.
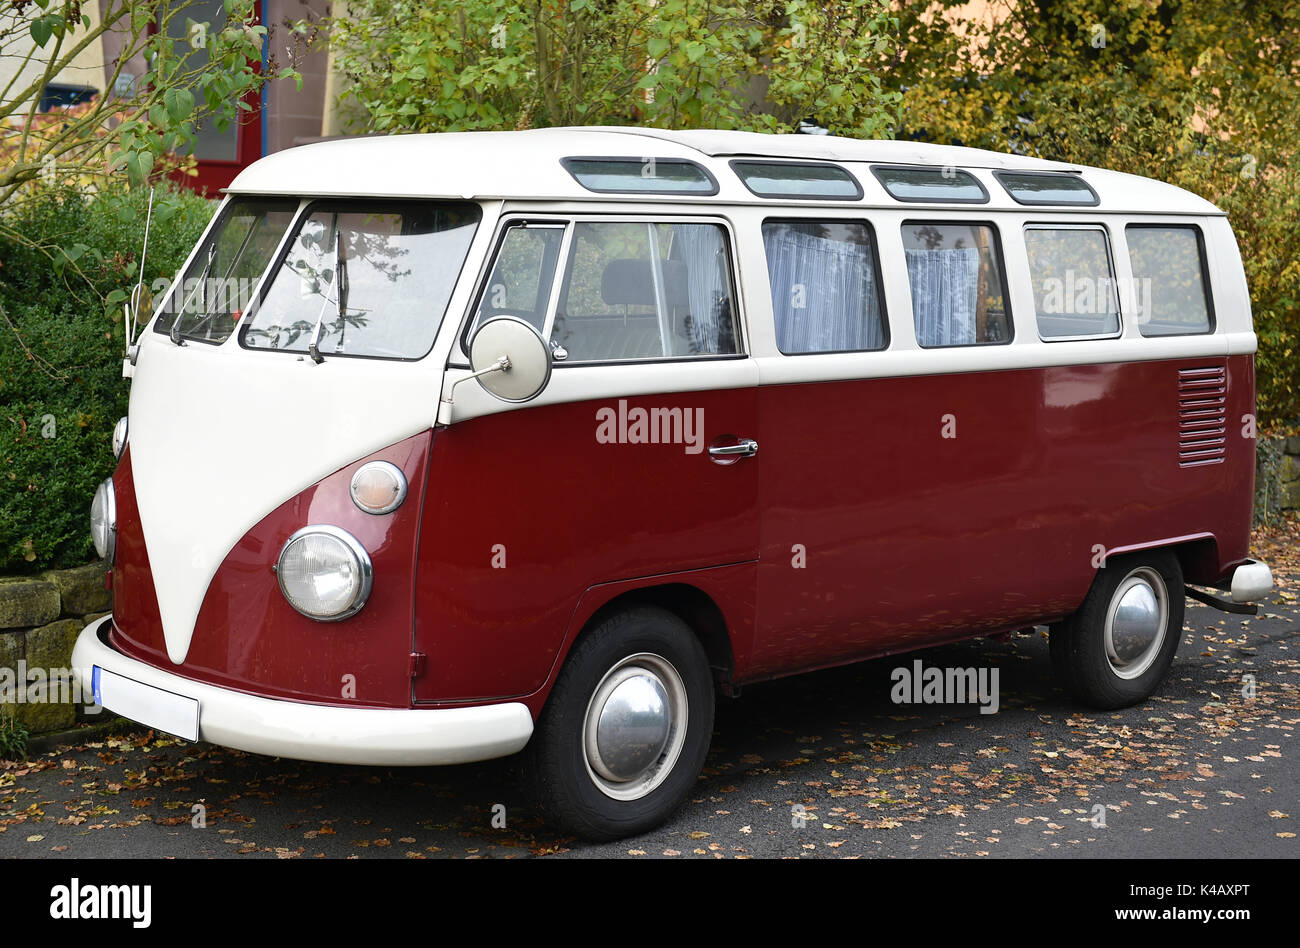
(945, 290)
(824, 295)
(708, 291)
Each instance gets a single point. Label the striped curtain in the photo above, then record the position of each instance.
(823, 292)
(710, 325)
(945, 290)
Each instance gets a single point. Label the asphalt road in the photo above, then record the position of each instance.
(822, 765)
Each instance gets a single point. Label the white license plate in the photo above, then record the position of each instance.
(154, 707)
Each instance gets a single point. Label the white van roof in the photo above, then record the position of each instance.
(527, 165)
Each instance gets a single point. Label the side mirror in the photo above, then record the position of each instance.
(510, 359)
(141, 306)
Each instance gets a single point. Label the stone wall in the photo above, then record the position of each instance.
(40, 619)
(1277, 478)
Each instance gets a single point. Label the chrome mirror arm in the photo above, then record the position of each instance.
(500, 365)
(445, 407)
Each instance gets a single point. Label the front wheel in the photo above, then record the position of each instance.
(623, 736)
(1116, 649)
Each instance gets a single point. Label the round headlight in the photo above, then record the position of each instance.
(119, 437)
(325, 573)
(103, 520)
(378, 487)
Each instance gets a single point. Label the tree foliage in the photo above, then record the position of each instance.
(141, 123)
(499, 64)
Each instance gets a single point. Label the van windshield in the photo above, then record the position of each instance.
(218, 285)
(376, 275)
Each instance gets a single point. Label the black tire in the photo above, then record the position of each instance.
(557, 768)
(1081, 660)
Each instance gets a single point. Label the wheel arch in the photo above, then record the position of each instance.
(716, 604)
(693, 606)
(1197, 554)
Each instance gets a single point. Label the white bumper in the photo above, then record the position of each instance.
(399, 736)
(1251, 581)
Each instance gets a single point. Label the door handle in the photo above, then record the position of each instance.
(745, 448)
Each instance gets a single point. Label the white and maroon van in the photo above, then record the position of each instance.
(445, 447)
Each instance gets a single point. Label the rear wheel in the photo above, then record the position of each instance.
(623, 736)
(1117, 648)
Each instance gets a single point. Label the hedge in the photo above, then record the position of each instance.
(61, 348)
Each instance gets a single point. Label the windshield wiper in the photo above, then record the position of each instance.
(340, 296)
(201, 289)
(209, 314)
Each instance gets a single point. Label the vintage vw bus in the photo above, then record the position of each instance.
(537, 441)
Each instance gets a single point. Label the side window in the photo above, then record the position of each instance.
(930, 185)
(645, 290)
(1073, 281)
(1171, 292)
(959, 295)
(521, 280)
(825, 287)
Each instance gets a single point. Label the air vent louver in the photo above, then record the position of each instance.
(1202, 416)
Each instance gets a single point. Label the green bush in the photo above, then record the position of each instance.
(1268, 481)
(61, 347)
(13, 735)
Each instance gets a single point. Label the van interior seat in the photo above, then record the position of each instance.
(627, 282)
(631, 282)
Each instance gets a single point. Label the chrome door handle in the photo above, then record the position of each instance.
(746, 448)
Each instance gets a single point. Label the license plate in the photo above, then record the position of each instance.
(154, 707)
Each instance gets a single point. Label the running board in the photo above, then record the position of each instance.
(1242, 608)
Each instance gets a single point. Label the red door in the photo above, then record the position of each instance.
(609, 476)
(528, 509)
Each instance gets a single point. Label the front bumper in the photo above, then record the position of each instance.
(397, 736)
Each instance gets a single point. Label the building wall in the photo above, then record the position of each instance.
(86, 69)
(295, 116)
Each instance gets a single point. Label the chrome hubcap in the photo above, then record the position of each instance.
(635, 726)
(1136, 622)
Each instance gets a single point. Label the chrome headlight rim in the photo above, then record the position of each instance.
(364, 567)
(397, 475)
(120, 431)
(109, 509)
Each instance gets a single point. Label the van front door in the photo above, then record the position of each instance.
(632, 465)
